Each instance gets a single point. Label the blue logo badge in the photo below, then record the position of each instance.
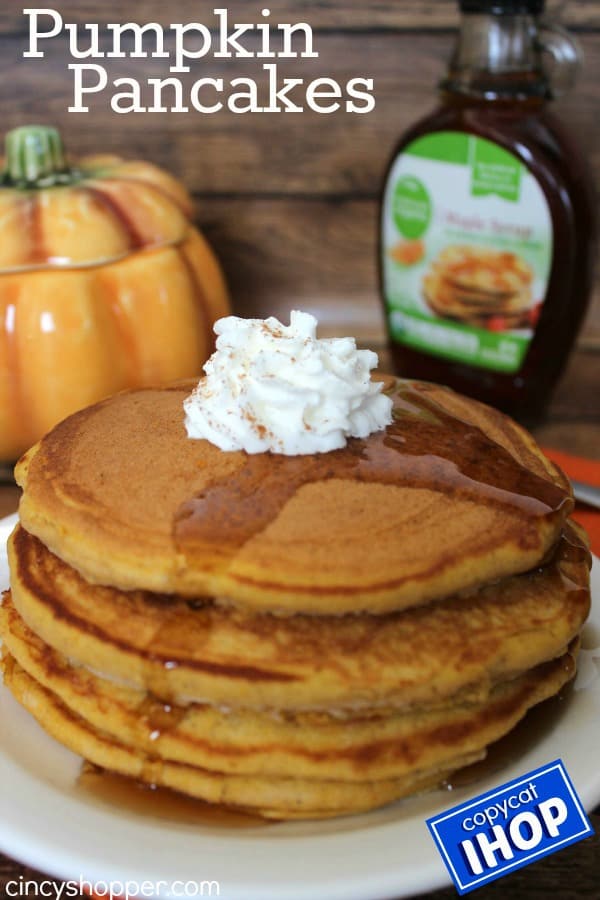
(509, 827)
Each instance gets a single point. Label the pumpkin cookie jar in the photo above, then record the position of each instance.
(104, 283)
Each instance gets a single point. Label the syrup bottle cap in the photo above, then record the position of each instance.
(503, 7)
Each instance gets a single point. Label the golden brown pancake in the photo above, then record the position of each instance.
(451, 496)
(452, 739)
(197, 650)
(361, 746)
(295, 636)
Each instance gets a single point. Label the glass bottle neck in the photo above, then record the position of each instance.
(497, 57)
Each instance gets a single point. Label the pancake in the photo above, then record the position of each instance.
(184, 650)
(291, 796)
(451, 306)
(297, 636)
(476, 268)
(452, 495)
(476, 309)
(473, 284)
(371, 745)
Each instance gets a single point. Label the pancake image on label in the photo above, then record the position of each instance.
(450, 496)
(479, 287)
(297, 633)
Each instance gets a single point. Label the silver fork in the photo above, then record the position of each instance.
(586, 493)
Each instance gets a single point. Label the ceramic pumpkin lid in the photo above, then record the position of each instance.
(55, 213)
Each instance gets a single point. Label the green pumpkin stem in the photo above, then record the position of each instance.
(35, 158)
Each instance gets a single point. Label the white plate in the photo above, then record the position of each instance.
(47, 822)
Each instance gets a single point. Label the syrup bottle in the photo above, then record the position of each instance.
(487, 218)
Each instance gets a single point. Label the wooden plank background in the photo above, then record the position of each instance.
(288, 201)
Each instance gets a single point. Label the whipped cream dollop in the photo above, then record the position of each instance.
(279, 388)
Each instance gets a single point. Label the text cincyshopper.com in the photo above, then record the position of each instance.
(190, 47)
(123, 890)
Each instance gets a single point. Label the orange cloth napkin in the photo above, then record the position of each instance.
(581, 470)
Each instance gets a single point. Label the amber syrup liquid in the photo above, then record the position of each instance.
(512, 111)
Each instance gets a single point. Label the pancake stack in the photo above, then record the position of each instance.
(297, 637)
(480, 287)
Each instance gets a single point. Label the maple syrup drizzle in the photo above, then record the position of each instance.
(424, 447)
(148, 801)
(143, 795)
(157, 718)
(538, 723)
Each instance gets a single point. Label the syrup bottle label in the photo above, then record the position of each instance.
(467, 250)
